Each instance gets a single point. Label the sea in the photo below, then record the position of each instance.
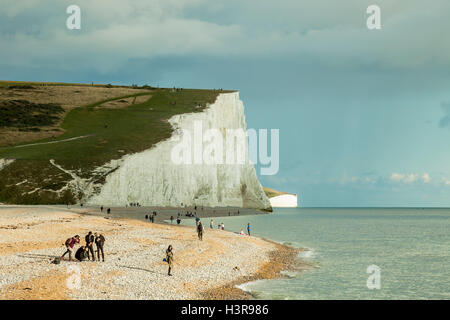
(355, 253)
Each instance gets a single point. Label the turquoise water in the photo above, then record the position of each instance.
(410, 246)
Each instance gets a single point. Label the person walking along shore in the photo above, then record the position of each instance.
(169, 259)
(200, 231)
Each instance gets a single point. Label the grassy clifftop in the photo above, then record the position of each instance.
(84, 136)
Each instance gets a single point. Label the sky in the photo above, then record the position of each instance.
(364, 115)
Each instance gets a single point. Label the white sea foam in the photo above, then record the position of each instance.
(249, 286)
(289, 274)
(308, 253)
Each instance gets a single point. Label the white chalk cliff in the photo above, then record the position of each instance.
(152, 178)
(5, 162)
(284, 201)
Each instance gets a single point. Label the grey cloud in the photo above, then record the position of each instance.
(113, 31)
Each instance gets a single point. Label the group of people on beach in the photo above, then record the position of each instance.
(151, 216)
(220, 226)
(134, 204)
(86, 251)
(178, 219)
(108, 211)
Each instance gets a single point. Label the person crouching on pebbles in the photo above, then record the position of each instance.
(169, 258)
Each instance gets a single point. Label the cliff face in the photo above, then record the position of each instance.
(5, 162)
(152, 178)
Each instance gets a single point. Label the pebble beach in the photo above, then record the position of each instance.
(31, 237)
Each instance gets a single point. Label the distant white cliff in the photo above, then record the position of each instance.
(284, 201)
(152, 178)
(280, 199)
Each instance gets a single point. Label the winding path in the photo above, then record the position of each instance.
(51, 142)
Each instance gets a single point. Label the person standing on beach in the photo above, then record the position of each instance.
(211, 224)
(171, 219)
(101, 209)
(70, 243)
(200, 231)
(223, 226)
(100, 242)
(169, 258)
(178, 220)
(248, 228)
(90, 238)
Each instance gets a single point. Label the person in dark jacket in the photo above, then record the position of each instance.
(200, 231)
(100, 242)
(82, 253)
(90, 238)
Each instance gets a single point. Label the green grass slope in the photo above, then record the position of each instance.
(111, 133)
